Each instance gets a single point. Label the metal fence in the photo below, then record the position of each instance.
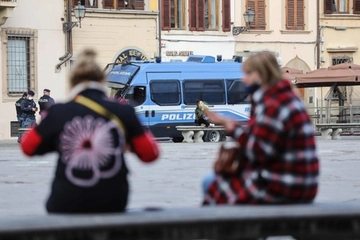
(331, 112)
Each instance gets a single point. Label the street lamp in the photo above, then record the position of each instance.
(249, 17)
(79, 12)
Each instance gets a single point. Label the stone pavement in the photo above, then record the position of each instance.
(172, 182)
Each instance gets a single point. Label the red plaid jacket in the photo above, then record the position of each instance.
(279, 162)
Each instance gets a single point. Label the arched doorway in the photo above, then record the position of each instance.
(298, 63)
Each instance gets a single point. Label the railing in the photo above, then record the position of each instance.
(335, 114)
(9, 1)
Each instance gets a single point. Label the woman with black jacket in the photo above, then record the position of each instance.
(90, 133)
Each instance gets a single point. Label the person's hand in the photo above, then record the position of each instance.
(217, 119)
(34, 109)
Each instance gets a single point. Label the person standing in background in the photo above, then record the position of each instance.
(28, 108)
(18, 109)
(45, 102)
(19, 113)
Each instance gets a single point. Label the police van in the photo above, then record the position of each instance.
(164, 93)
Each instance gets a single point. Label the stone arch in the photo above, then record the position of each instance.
(127, 49)
(298, 63)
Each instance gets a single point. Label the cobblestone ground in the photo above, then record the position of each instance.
(172, 182)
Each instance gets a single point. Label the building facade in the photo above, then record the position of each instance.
(339, 24)
(339, 34)
(196, 27)
(32, 40)
(286, 27)
(118, 30)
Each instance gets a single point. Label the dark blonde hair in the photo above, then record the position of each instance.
(266, 65)
(86, 69)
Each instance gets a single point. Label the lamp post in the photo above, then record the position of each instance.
(249, 17)
(79, 12)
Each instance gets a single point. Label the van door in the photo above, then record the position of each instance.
(165, 112)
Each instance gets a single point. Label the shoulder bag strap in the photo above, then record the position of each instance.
(94, 106)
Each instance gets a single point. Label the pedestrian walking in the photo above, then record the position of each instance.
(90, 133)
(45, 102)
(276, 161)
(28, 108)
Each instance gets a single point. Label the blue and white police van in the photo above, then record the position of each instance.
(164, 93)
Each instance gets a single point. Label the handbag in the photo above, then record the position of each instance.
(228, 159)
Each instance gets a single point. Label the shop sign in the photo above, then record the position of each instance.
(130, 55)
(179, 53)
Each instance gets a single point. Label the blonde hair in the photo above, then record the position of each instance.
(266, 65)
(86, 69)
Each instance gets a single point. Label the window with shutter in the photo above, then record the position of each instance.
(86, 3)
(109, 4)
(259, 7)
(328, 6)
(226, 16)
(211, 14)
(139, 5)
(336, 6)
(356, 6)
(295, 15)
(192, 15)
(130, 4)
(166, 14)
(172, 13)
(203, 15)
(200, 15)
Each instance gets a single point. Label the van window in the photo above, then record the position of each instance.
(136, 95)
(236, 92)
(210, 91)
(165, 92)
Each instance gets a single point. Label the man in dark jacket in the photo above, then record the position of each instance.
(18, 109)
(19, 113)
(45, 102)
(28, 108)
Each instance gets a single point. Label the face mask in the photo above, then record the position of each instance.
(252, 88)
(30, 98)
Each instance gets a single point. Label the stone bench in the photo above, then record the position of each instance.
(188, 132)
(302, 222)
(333, 130)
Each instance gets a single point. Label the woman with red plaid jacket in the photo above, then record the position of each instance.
(278, 162)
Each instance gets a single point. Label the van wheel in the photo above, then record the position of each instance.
(223, 136)
(212, 136)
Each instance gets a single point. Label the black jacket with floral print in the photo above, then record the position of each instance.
(91, 174)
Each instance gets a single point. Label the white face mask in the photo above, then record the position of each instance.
(30, 98)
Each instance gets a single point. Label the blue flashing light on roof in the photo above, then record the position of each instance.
(138, 58)
(238, 59)
(158, 59)
(201, 59)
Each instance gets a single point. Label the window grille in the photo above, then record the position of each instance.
(341, 59)
(20, 61)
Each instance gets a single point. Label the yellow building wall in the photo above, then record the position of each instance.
(112, 33)
(153, 5)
